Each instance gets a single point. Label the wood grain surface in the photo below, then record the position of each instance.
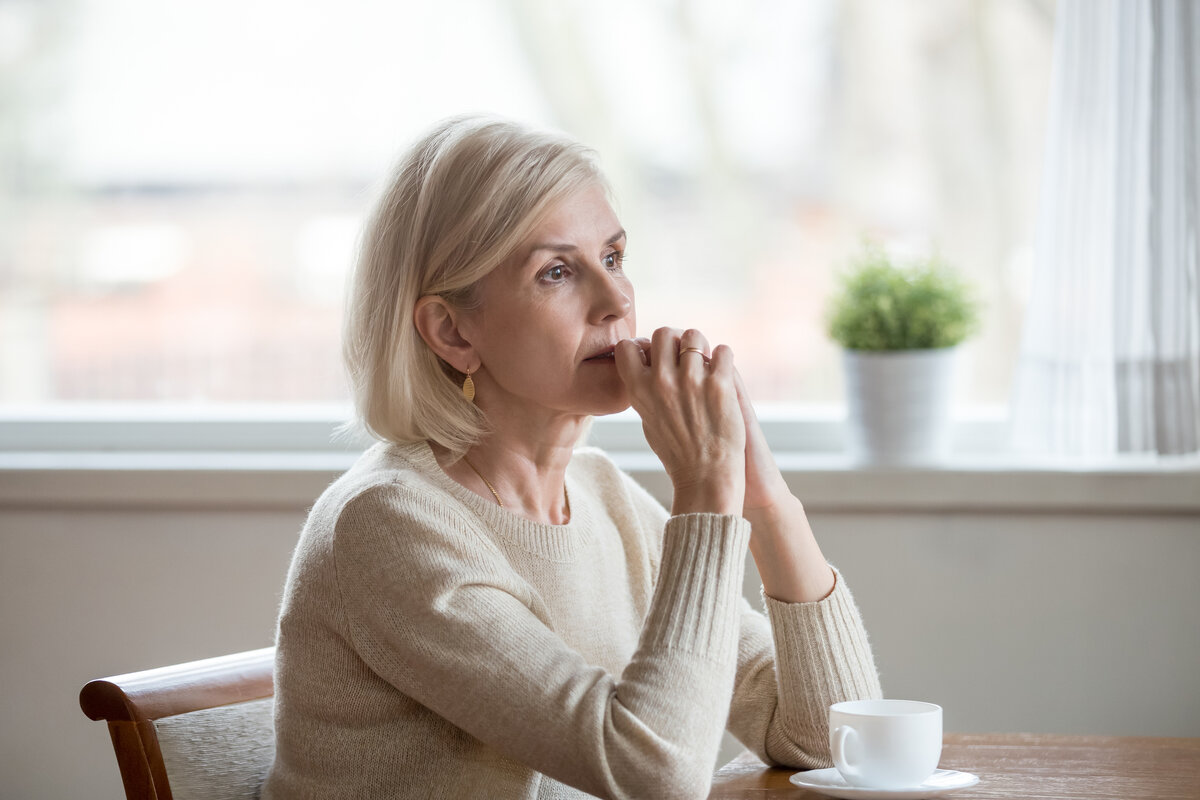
(1022, 765)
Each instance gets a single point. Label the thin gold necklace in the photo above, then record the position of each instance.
(485, 480)
(496, 495)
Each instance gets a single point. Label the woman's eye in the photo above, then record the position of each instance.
(613, 260)
(555, 273)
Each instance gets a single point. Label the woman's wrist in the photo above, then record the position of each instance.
(708, 497)
(787, 555)
(781, 505)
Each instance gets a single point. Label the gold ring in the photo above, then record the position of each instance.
(693, 350)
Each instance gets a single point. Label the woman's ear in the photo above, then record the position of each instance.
(437, 322)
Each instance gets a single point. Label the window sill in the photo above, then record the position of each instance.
(281, 458)
(827, 483)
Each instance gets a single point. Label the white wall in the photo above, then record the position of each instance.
(1056, 624)
(85, 594)
(1045, 622)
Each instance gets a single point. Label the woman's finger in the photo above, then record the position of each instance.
(644, 345)
(631, 360)
(693, 351)
(721, 362)
(664, 347)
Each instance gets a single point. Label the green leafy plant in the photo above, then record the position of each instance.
(882, 305)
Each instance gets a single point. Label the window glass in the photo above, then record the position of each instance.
(181, 184)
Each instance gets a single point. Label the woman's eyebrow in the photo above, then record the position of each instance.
(558, 248)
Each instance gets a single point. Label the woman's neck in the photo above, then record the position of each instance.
(526, 474)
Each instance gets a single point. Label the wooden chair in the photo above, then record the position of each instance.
(196, 731)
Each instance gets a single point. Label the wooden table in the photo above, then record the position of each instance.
(1022, 766)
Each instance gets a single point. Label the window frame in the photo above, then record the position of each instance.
(280, 459)
(316, 428)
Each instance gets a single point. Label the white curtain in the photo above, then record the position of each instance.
(1110, 358)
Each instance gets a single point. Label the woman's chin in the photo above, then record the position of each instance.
(613, 401)
(610, 409)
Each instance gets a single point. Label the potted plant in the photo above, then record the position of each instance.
(900, 325)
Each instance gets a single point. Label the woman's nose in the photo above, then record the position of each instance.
(613, 297)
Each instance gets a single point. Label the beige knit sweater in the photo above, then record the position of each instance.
(433, 644)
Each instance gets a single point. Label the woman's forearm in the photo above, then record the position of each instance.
(787, 555)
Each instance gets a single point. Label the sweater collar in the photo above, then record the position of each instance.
(553, 542)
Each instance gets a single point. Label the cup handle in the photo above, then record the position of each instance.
(838, 746)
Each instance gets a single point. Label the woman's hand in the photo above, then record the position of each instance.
(787, 555)
(691, 415)
(765, 487)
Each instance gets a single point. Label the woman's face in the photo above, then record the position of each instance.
(548, 319)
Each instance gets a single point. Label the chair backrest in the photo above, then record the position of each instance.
(196, 731)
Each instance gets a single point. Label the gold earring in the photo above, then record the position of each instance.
(468, 388)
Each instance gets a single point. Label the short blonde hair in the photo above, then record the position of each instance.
(458, 204)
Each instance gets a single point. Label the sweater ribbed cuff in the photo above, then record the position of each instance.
(695, 605)
(823, 648)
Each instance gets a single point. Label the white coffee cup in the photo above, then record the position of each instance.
(885, 744)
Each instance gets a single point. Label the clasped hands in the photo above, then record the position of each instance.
(698, 419)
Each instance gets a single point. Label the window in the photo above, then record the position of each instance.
(181, 184)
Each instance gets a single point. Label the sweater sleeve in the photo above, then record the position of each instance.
(436, 611)
(792, 668)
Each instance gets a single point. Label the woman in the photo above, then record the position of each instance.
(481, 608)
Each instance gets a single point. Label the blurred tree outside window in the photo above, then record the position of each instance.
(182, 184)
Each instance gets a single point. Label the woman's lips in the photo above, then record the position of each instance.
(603, 355)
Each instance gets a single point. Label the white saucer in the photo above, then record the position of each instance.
(830, 782)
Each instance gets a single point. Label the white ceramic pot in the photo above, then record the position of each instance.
(899, 405)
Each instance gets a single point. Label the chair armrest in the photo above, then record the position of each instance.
(180, 688)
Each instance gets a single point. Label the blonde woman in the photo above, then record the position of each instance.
(481, 607)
